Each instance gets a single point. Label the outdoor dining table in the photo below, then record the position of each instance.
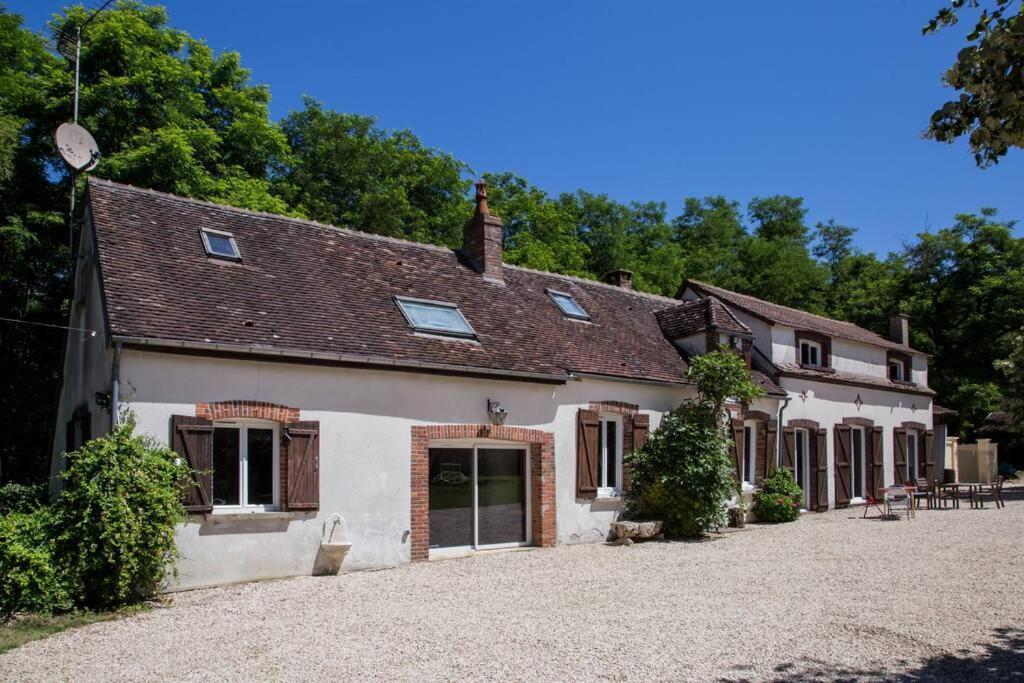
(955, 486)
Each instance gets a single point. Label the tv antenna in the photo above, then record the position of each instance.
(74, 143)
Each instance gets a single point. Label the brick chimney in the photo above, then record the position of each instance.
(481, 238)
(899, 329)
(620, 278)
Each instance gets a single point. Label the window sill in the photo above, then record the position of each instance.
(610, 495)
(235, 516)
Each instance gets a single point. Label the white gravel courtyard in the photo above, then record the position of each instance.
(830, 596)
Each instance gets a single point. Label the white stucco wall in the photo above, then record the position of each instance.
(87, 358)
(827, 404)
(365, 420)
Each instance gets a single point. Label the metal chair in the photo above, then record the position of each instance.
(898, 502)
(995, 489)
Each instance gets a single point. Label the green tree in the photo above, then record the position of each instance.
(540, 232)
(166, 113)
(684, 475)
(710, 233)
(346, 171)
(1012, 368)
(988, 73)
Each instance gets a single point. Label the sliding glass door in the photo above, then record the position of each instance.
(478, 497)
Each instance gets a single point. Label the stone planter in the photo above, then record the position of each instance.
(626, 533)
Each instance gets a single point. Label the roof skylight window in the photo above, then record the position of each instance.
(567, 304)
(220, 244)
(436, 317)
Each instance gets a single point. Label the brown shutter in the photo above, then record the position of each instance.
(899, 453)
(771, 451)
(789, 449)
(303, 478)
(588, 425)
(876, 472)
(820, 460)
(929, 456)
(737, 448)
(641, 425)
(192, 439)
(843, 464)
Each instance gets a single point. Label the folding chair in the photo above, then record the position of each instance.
(877, 501)
(898, 501)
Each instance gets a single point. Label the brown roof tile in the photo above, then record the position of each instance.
(774, 313)
(703, 314)
(303, 286)
(851, 378)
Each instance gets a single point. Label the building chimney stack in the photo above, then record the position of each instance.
(482, 236)
(899, 329)
(620, 278)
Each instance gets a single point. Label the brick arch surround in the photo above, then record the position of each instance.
(259, 410)
(542, 478)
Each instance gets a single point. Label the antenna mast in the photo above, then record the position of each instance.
(72, 140)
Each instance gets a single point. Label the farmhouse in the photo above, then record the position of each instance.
(438, 400)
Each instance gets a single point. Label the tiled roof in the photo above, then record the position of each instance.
(316, 289)
(703, 314)
(855, 379)
(783, 315)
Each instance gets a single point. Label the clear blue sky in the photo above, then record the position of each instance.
(653, 100)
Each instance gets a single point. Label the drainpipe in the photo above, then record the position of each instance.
(115, 386)
(779, 445)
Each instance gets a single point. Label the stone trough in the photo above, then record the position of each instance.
(626, 533)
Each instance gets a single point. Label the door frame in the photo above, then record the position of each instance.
(476, 445)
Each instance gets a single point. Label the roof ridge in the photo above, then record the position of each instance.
(772, 303)
(267, 214)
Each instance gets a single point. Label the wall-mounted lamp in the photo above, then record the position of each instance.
(496, 413)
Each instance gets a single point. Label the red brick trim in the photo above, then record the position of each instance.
(261, 410)
(542, 478)
(914, 425)
(614, 407)
(859, 422)
(757, 415)
(802, 424)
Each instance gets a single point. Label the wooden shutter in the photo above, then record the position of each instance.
(899, 452)
(819, 464)
(641, 426)
(192, 439)
(789, 449)
(876, 471)
(588, 424)
(771, 450)
(303, 478)
(737, 448)
(843, 464)
(929, 456)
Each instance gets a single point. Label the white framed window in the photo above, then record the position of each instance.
(896, 370)
(610, 448)
(568, 305)
(246, 465)
(802, 463)
(436, 317)
(858, 469)
(220, 244)
(810, 353)
(913, 457)
(749, 462)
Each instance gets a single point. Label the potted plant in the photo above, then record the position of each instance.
(738, 513)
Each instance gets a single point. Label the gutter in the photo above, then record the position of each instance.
(779, 435)
(270, 353)
(576, 375)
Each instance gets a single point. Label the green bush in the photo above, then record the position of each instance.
(20, 497)
(29, 581)
(114, 520)
(779, 498)
(684, 473)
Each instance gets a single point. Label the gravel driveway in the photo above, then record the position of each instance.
(937, 598)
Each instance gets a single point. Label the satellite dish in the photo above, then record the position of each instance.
(77, 147)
